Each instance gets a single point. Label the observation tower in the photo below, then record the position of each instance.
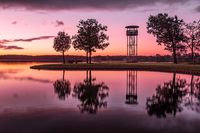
(132, 43)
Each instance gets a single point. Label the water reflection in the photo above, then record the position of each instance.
(62, 87)
(170, 98)
(28, 97)
(131, 88)
(173, 96)
(92, 95)
(192, 100)
(7, 74)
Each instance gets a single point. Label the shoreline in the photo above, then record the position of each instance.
(159, 67)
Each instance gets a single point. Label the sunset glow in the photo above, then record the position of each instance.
(99, 66)
(20, 22)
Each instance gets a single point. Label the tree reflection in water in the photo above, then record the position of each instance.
(91, 95)
(62, 87)
(168, 98)
(192, 100)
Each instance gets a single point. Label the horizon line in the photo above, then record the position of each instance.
(73, 55)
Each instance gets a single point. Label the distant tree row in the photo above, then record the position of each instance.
(90, 37)
(177, 36)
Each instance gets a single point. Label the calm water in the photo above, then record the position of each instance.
(97, 101)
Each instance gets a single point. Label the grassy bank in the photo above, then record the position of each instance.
(162, 67)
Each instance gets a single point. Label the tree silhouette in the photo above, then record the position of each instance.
(62, 88)
(168, 31)
(91, 36)
(192, 32)
(62, 43)
(91, 95)
(168, 98)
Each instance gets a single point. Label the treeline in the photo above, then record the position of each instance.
(43, 58)
(76, 59)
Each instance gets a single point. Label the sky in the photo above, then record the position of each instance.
(28, 27)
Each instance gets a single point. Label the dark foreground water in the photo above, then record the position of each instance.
(33, 101)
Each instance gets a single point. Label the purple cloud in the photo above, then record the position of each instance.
(10, 47)
(32, 39)
(14, 22)
(197, 8)
(13, 47)
(84, 4)
(4, 41)
(59, 23)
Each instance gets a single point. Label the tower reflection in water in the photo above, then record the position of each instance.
(131, 88)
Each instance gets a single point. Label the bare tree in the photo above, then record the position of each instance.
(62, 43)
(192, 32)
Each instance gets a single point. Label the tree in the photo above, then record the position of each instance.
(91, 36)
(168, 31)
(192, 32)
(62, 43)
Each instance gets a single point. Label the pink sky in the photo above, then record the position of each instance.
(20, 23)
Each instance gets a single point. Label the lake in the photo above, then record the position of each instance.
(34, 101)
